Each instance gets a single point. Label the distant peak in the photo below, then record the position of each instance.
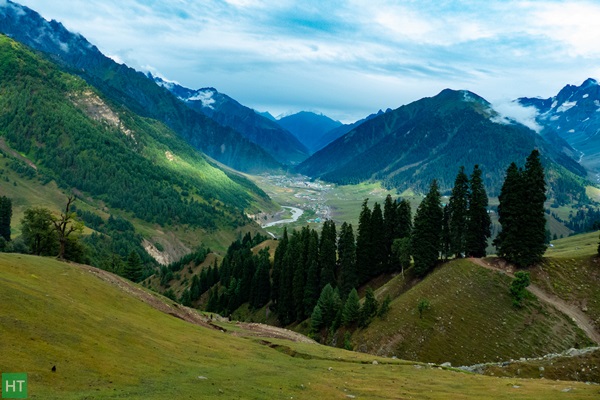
(589, 82)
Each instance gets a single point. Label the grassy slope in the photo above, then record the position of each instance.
(571, 271)
(106, 344)
(471, 320)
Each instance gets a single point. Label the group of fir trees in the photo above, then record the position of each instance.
(377, 232)
(522, 240)
(460, 228)
(243, 277)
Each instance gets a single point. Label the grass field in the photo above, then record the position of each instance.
(107, 344)
(471, 320)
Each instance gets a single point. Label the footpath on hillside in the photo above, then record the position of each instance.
(573, 312)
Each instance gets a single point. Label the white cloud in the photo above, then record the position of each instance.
(509, 111)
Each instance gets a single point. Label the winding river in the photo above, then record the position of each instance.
(296, 214)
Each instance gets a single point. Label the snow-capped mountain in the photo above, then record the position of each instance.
(269, 135)
(574, 113)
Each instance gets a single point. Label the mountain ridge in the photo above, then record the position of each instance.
(131, 88)
(268, 134)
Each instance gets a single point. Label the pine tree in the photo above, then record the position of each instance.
(404, 216)
(390, 223)
(261, 285)
(401, 250)
(369, 308)
(425, 241)
(380, 252)
(509, 215)
(521, 213)
(364, 243)
(347, 252)
(478, 220)
(534, 183)
(5, 217)
(351, 311)
(133, 267)
(445, 235)
(278, 266)
(312, 288)
(299, 248)
(457, 214)
(327, 257)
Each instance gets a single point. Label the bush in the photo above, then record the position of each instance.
(517, 288)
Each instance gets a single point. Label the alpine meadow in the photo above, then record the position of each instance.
(304, 200)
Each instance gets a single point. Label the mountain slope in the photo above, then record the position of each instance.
(575, 114)
(308, 127)
(281, 144)
(55, 127)
(430, 139)
(341, 130)
(131, 89)
(106, 343)
(471, 320)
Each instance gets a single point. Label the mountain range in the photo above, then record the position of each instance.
(403, 148)
(268, 134)
(574, 113)
(132, 89)
(431, 138)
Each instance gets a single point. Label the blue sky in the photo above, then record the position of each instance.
(345, 59)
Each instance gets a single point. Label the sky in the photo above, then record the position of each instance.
(345, 59)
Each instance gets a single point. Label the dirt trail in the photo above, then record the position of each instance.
(573, 312)
(191, 315)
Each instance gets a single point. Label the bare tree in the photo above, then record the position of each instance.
(65, 225)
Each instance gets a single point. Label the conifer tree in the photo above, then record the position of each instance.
(312, 288)
(426, 237)
(509, 215)
(445, 235)
(534, 183)
(351, 311)
(364, 243)
(327, 257)
(5, 217)
(261, 285)
(133, 267)
(521, 213)
(457, 214)
(478, 220)
(404, 217)
(347, 253)
(369, 308)
(299, 249)
(278, 266)
(390, 222)
(401, 249)
(380, 251)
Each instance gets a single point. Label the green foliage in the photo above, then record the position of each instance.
(423, 306)
(401, 250)
(478, 220)
(328, 306)
(327, 256)
(38, 232)
(347, 260)
(385, 307)
(425, 241)
(517, 287)
(369, 308)
(5, 217)
(45, 115)
(458, 206)
(521, 213)
(133, 267)
(364, 243)
(351, 311)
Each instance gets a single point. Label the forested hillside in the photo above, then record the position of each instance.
(431, 138)
(131, 89)
(56, 128)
